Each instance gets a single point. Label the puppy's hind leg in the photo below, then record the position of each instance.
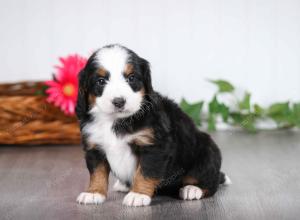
(198, 188)
(190, 189)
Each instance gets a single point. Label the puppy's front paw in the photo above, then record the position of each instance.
(190, 192)
(120, 187)
(90, 198)
(136, 199)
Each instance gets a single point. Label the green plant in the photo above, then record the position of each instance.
(246, 113)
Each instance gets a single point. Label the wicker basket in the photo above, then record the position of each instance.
(26, 117)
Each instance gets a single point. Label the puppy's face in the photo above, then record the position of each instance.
(116, 81)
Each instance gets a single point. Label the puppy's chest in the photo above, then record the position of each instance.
(121, 159)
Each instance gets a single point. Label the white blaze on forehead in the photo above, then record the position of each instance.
(113, 59)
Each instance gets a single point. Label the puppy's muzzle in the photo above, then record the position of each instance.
(119, 102)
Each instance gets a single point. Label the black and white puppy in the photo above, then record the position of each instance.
(143, 138)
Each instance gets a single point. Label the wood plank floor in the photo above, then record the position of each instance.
(43, 183)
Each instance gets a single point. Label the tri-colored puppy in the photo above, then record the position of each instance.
(143, 138)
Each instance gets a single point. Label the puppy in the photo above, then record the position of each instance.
(143, 138)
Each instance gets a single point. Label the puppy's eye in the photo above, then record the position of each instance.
(101, 82)
(130, 78)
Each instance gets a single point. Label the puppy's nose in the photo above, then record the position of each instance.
(119, 102)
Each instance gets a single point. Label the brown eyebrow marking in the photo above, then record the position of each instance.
(128, 69)
(102, 72)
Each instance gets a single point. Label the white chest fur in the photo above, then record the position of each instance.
(118, 153)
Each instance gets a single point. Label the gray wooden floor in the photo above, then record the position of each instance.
(43, 182)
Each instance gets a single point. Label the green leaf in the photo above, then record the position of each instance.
(246, 121)
(213, 105)
(223, 86)
(224, 111)
(211, 122)
(41, 91)
(193, 110)
(296, 114)
(258, 110)
(245, 103)
(279, 108)
(236, 117)
(282, 114)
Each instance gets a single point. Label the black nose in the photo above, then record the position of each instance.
(119, 102)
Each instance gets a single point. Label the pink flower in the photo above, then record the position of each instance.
(62, 91)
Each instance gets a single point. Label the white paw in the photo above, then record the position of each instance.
(120, 187)
(90, 198)
(190, 192)
(136, 199)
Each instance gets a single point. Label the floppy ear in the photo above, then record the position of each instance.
(146, 72)
(82, 97)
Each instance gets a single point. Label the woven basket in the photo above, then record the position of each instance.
(26, 118)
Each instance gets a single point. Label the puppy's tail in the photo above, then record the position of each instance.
(224, 179)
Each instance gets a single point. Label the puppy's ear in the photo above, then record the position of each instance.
(82, 97)
(146, 72)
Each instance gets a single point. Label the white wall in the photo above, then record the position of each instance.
(253, 43)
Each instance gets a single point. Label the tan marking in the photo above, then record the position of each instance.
(91, 146)
(205, 193)
(143, 137)
(102, 72)
(99, 179)
(189, 180)
(92, 100)
(142, 91)
(128, 69)
(144, 185)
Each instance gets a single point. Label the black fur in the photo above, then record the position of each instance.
(178, 144)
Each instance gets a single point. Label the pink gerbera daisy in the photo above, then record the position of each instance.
(63, 89)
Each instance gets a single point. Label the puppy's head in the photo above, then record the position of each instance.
(113, 82)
